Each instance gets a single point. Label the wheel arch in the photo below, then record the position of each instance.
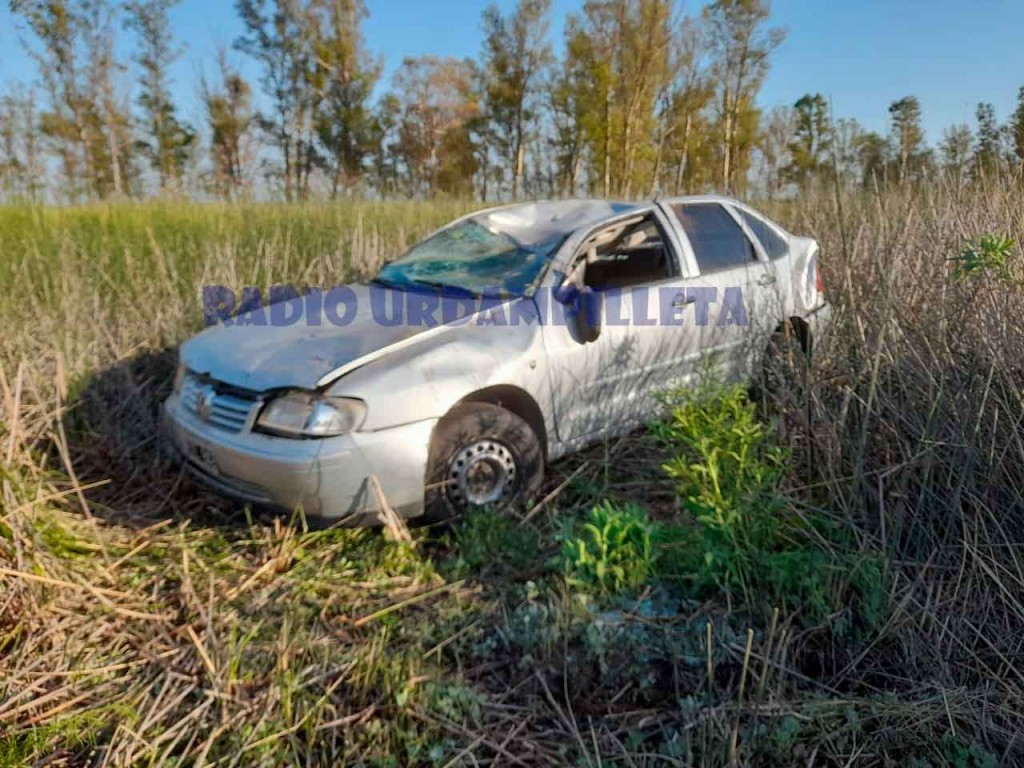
(799, 328)
(515, 400)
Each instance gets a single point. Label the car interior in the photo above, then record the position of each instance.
(629, 253)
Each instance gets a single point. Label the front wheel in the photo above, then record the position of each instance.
(482, 455)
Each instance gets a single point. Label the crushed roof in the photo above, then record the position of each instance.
(533, 223)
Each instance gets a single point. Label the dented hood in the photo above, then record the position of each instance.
(297, 343)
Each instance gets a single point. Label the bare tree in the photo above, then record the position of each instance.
(22, 173)
(113, 154)
(774, 144)
(437, 104)
(229, 118)
(516, 54)
(167, 141)
(846, 161)
(621, 50)
(681, 104)
(281, 41)
(742, 44)
(347, 75)
(956, 150)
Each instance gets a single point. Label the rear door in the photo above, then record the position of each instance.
(774, 244)
(733, 288)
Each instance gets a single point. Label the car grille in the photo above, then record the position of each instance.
(225, 407)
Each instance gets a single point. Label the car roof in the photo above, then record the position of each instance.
(535, 222)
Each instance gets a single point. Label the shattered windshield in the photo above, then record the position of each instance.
(470, 257)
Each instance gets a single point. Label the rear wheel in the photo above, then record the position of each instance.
(482, 455)
(785, 367)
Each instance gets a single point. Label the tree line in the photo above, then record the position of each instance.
(644, 100)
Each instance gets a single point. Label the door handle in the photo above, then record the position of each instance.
(682, 299)
(766, 279)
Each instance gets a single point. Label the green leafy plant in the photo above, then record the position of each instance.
(611, 551)
(987, 255)
(962, 755)
(749, 538)
(488, 541)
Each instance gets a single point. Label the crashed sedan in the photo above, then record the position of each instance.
(505, 340)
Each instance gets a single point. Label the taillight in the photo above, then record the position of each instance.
(819, 280)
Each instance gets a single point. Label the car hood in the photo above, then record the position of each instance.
(257, 351)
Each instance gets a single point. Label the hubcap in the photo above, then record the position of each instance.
(480, 474)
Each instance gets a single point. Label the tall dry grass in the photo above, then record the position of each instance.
(142, 622)
(914, 435)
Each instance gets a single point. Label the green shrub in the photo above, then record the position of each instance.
(749, 538)
(486, 541)
(611, 551)
(989, 254)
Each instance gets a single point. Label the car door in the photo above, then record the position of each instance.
(773, 243)
(634, 274)
(733, 285)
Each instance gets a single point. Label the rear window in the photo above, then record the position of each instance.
(718, 241)
(774, 245)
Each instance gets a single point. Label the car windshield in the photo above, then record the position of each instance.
(468, 256)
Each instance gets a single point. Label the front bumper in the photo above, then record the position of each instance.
(326, 478)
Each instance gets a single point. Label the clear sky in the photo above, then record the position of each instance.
(863, 54)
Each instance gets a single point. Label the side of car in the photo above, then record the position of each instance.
(696, 283)
(723, 286)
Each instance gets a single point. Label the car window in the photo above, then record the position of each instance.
(632, 253)
(774, 245)
(717, 240)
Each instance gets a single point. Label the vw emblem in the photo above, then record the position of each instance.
(204, 402)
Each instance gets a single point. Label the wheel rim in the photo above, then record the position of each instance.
(481, 474)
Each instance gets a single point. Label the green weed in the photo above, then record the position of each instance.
(750, 539)
(989, 254)
(75, 734)
(485, 542)
(611, 551)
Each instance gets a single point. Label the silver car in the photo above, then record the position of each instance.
(505, 340)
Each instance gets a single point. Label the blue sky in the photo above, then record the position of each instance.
(863, 54)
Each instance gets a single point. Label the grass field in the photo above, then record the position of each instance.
(850, 592)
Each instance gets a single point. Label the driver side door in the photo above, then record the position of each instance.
(632, 277)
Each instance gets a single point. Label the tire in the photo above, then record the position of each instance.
(482, 455)
(784, 368)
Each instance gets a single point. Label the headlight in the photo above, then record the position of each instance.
(179, 378)
(302, 414)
